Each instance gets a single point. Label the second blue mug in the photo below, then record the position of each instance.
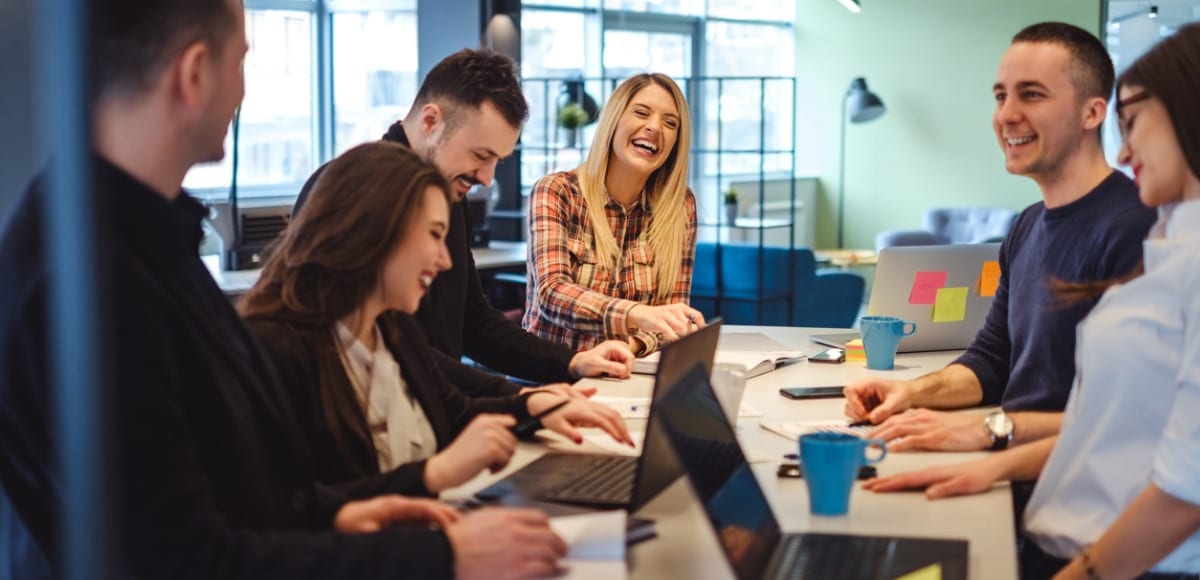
(881, 336)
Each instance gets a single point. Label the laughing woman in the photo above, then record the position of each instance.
(613, 242)
(333, 311)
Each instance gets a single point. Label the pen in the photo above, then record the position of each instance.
(863, 423)
(536, 420)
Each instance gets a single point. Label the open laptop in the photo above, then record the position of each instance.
(744, 524)
(892, 294)
(614, 481)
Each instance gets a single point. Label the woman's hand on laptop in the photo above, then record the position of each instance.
(486, 443)
(579, 413)
(874, 399)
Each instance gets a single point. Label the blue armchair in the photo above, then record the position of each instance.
(953, 225)
(820, 298)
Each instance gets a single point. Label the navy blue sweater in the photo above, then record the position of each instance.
(1024, 356)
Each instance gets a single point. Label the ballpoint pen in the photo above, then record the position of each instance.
(535, 421)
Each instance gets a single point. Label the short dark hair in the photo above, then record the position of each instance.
(1170, 72)
(1091, 67)
(131, 40)
(469, 78)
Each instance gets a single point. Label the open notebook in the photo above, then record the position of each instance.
(755, 351)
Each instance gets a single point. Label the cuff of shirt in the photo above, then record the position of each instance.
(616, 318)
(1176, 472)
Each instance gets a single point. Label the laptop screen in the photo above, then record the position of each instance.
(658, 467)
(708, 452)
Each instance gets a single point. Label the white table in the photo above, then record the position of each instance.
(685, 546)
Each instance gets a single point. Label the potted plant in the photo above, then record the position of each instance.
(571, 117)
(731, 206)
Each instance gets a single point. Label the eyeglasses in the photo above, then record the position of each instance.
(1123, 122)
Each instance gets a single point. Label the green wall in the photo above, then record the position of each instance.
(933, 63)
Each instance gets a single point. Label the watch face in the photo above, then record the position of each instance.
(999, 424)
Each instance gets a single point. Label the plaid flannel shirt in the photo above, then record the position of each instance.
(572, 298)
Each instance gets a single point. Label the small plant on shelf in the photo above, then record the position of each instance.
(731, 206)
(572, 116)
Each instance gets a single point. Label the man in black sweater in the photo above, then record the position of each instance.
(211, 476)
(1051, 94)
(466, 117)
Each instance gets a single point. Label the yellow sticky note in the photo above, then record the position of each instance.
(931, 572)
(950, 305)
(989, 278)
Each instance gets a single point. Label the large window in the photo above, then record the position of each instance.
(287, 124)
(736, 68)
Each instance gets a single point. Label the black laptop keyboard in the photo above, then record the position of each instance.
(833, 556)
(609, 479)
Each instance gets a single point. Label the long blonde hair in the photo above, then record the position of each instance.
(667, 186)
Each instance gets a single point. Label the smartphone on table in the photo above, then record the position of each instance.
(829, 355)
(811, 392)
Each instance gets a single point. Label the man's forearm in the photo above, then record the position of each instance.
(953, 387)
(1149, 529)
(1029, 426)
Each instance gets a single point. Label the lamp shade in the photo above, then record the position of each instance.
(861, 104)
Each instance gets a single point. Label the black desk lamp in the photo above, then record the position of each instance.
(859, 105)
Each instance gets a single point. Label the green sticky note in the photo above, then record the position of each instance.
(930, 572)
(950, 305)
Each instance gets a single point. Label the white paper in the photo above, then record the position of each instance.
(592, 536)
(794, 429)
(595, 441)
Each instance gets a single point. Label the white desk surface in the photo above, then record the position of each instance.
(685, 546)
(498, 254)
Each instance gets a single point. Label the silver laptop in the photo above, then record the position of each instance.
(904, 277)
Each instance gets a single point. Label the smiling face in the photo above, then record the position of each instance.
(647, 131)
(466, 150)
(1151, 148)
(1040, 118)
(227, 90)
(418, 256)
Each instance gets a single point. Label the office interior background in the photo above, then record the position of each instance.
(767, 81)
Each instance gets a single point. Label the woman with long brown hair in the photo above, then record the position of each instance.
(1118, 490)
(333, 310)
(612, 244)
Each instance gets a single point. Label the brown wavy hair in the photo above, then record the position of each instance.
(1169, 72)
(330, 258)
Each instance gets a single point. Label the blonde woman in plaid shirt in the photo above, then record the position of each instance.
(613, 242)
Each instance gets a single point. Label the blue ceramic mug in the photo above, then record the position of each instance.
(831, 463)
(881, 336)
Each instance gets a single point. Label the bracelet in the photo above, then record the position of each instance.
(1089, 567)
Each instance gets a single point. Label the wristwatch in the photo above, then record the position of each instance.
(1000, 427)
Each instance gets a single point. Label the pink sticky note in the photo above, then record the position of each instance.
(925, 287)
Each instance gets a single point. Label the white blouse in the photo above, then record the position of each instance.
(1134, 412)
(399, 428)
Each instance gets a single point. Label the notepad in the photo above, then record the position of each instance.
(595, 544)
(753, 350)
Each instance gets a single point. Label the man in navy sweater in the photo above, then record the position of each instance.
(1051, 94)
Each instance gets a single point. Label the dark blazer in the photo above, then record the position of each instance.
(296, 351)
(458, 319)
(211, 478)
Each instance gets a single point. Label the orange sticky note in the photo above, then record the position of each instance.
(950, 305)
(989, 278)
(925, 287)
